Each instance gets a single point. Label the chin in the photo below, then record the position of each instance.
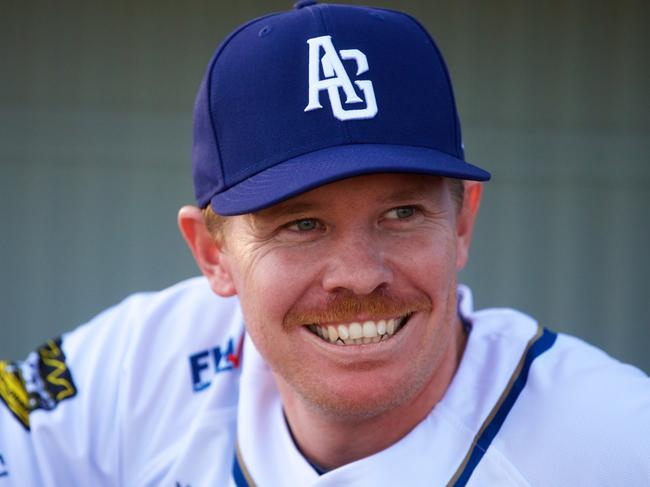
(357, 399)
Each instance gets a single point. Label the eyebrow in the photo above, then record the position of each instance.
(285, 208)
(290, 208)
(423, 192)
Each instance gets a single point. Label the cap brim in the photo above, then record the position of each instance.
(308, 171)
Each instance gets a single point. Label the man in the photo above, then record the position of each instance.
(334, 202)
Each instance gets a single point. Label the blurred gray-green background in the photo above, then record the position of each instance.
(95, 135)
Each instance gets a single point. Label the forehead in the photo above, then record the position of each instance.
(361, 190)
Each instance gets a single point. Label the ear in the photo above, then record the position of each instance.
(208, 254)
(465, 221)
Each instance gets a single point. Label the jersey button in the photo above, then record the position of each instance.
(304, 3)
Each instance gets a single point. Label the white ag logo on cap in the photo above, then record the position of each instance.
(336, 77)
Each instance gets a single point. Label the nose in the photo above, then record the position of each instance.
(357, 264)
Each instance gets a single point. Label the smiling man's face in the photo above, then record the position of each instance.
(349, 290)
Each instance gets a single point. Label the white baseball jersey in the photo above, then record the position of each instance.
(163, 389)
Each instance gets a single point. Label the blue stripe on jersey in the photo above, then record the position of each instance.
(540, 343)
(239, 472)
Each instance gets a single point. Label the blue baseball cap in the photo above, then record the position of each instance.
(298, 99)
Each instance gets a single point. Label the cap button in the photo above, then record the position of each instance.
(304, 3)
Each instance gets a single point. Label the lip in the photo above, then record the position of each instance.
(364, 352)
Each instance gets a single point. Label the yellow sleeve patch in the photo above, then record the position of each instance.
(39, 382)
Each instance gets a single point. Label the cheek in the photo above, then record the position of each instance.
(430, 259)
(270, 285)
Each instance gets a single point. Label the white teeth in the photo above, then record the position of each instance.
(381, 327)
(390, 326)
(355, 330)
(369, 329)
(359, 333)
(343, 332)
(332, 333)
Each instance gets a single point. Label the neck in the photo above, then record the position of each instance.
(332, 441)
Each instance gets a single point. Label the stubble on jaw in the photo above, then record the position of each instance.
(333, 435)
(320, 401)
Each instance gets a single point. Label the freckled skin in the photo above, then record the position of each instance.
(399, 236)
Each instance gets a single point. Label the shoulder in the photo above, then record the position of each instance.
(158, 325)
(173, 341)
(124, 391)
(584, 413)
(589, 395)
(184, 301)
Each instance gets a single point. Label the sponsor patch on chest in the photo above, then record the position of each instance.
(205, 364)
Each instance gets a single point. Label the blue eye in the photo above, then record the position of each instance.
(404, 212)
(305, 225)
(401, 213)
